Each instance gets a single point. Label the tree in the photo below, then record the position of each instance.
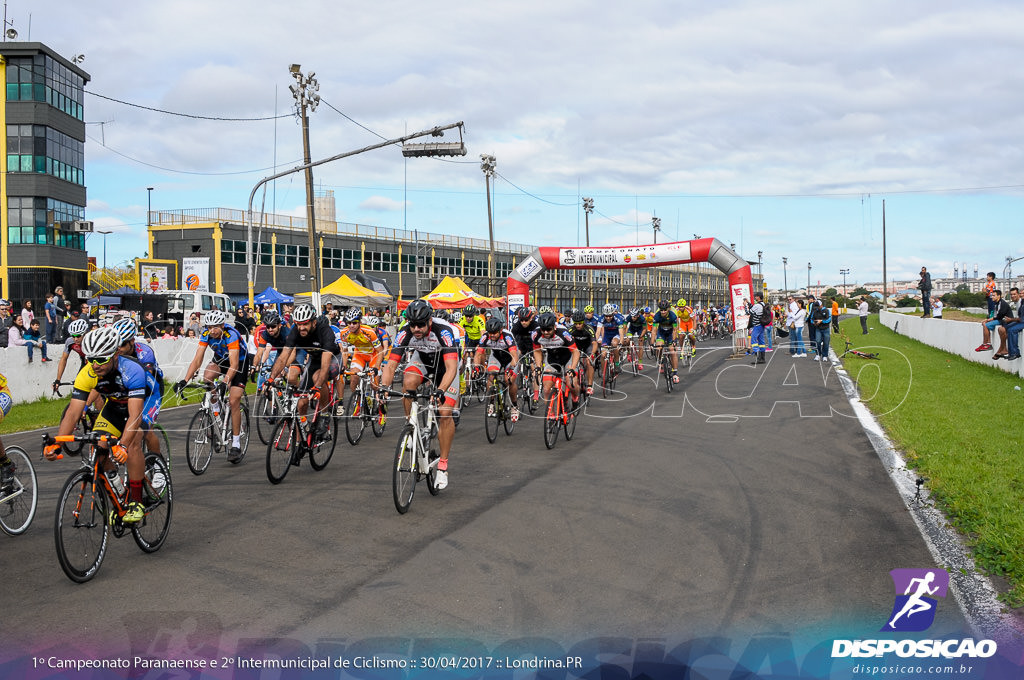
(831, 292)
(860, 290)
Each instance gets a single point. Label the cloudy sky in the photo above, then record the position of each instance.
(778, 126)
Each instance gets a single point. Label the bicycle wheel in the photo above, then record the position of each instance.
(687, 349)
(18, 507)
(569, 422)
(435, 455)
(480, 389)
(491, 417)
(266, 416)
(151, 532)
(165, 444)
(83, 426)
(551, 423)
(199, 445)
(379, 409)
(403, 474)
(284, 442)
(80, 529)
(531, 396)
(321, 453)
(606, 387)
(354, 422)
(243, 432)
(506, 412)
(666, 367)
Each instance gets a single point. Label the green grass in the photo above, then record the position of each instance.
(955, 423)
(45, 412)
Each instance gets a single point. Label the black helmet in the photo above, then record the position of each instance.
(663, 304)
(547, 321)
(578, 317)
(419, 311)
(271, 319)
(524, 314)
(494, 325)
(470, 310)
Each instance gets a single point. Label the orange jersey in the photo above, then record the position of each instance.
(363, 340)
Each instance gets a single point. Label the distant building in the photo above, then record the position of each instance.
(42, 181)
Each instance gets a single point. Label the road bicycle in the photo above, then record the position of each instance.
(18, 504)
(665, 362)
(365, 409)
(418, 452)
(632, 354)
(272, 404)
(475, 386)
(686, 354)
(607, 372)
(210, 429)
(84, 424)
(92, 505)
(650, 349)
(297, 435)
(856, 352)
(528, 390)
(499, 406)
(703, 330)
(561, 413)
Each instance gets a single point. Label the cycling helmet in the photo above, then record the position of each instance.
(371, 321)
(609, 309)
(101, 343)
(494, 325)
(456, 316)
(471, 310)
(615, 307)
(634, 312)
(681, 302)
(524, 314)
(214, 317)
(303, 312)
(353, 314)
(443, 315)
(126, 330)
(546, 321)
(78, 328)
(419, 311)
(577, 317)
(662, 305)
(546, 310)
(271, 319)
(589, 309)
(647, 310)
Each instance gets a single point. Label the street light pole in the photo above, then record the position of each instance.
(785, 283)
(149, 209)
(100, 231)
(588, 207)
(488, 164)
(808, 292)
(305, 92)
(844, 272)
(656, 223)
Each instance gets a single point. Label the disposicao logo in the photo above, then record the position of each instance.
(913, 610)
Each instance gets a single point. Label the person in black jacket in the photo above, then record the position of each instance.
(925, 286)
(60, 306)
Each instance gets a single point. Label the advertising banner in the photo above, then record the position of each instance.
(195, 273)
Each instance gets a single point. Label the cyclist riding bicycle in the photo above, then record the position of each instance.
(144, 354)
(610, 331)
(365, 348)
(73, 343)
(270, 339)
(636, 329)
(433, 357)
(231, 360)
(7, 468)
(591, 319)
(504, 356)
(125, 386)
(686, 323)
(563, 357)
(313, 335)
(666, 323)
(583, 335)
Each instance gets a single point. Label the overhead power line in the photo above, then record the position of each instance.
(185, 115)
(188, 172)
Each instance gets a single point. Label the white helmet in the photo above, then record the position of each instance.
(102, 342)
(214, 317)
(303, 312)
(608, 309)
(126, 329)
(371, 321)
(78, 327)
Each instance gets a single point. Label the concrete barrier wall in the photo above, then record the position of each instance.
(955, 337)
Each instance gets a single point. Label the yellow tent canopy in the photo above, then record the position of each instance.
(453, 292)
(344, 291)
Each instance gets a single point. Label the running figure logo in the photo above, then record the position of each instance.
(916, 603)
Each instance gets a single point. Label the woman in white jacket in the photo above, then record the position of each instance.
(796, 329)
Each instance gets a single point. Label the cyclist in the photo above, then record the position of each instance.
(231, 360)
(592, 321)
(73, 343)
(364, 345)
(433, 357)
(685, 315)
(666, 323)
(610, 331)
(563, 357)
(635, 330)
(125, 386)
(522, 330)
(7, 468)
(270, 338)
(504, 356)
(583, 335)
(144, 354)
(313, 335)
(474, 324)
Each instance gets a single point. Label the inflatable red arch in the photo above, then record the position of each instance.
(709, 250)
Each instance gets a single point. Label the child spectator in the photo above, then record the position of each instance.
(1001, 310)
(19, 336)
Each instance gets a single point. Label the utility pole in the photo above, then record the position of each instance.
(488, 164)
(885, 281)
(656, 223)
(305, 90)
(808, 292)
(844, 272)
(785, 283)
(588, 207)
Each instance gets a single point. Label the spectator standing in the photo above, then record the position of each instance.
(61, 308)
(937, 308)
(51, 319)
(796, 338)
(1012, 326)
(758, 314)
(193, 325)
(150, 328)
(822, 330)
(835, 315)
(27, 313)
(1000, 310)
(862, 311)
(6, 321)
(812, 330)
(33, 338)
(990, 286)
(925, 286)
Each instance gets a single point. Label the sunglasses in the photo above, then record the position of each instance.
(274, 327)
(98, 361)
(417, 324)
(354, 323)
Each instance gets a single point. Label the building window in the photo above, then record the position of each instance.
(36, 220)
(42, 78)
(39, 149)
(409, 264)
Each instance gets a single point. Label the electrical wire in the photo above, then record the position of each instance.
(185, 115)
(544, 200)
(183, 172)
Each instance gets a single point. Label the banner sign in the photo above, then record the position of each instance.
(600, 258)
(195, 273)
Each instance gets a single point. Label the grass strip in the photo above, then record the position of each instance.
(954, 421)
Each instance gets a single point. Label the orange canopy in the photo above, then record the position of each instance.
(453, 293)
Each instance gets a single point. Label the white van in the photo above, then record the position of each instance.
(181, 304)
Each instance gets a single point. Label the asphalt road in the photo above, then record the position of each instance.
(748, 502)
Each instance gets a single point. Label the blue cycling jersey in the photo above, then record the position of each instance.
(230, 339)
(611, 326)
